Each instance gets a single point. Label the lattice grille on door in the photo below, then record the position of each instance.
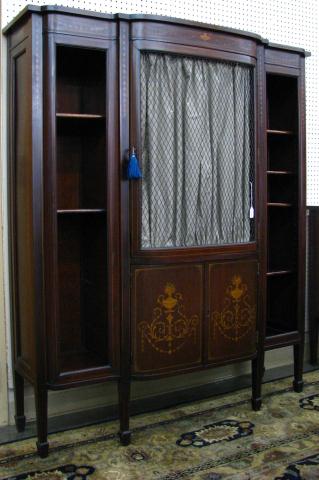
(197, 151)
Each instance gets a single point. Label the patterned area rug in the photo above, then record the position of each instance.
(215, 439)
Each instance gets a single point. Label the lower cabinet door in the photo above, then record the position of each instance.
(167, 314)
(233, 303)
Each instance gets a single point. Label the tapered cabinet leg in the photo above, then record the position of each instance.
(124, 400)
(257, 374)
(19, 402)
(298, 367)
(41, 406)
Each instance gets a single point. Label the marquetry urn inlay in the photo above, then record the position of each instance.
(170, 327)
(237, 316)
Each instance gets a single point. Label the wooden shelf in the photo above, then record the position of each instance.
(84, 116)
(280, 172)
(280, 132)
(279, 272)
(276, 338)
(77, 361)
(279, 204)
(81, 210)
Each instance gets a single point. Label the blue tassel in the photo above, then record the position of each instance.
(133, 169)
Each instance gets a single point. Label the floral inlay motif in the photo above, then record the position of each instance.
(169, 328)
(238, 314)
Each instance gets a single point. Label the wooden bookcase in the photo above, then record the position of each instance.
(90, 303)
(282, 203)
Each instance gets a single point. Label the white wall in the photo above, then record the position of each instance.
(290, 22)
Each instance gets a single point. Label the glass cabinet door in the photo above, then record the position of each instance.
(81, 191)
(196, 152)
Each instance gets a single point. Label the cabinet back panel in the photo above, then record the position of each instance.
(81, 75)
(282, 104)
(81, 164)
(281, 304)
(282, 238)
(82, 290)
(282, 152)
(282, 188)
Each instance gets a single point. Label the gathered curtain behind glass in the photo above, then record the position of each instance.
(197, 124)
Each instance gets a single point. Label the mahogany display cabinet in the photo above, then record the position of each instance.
(200, 262)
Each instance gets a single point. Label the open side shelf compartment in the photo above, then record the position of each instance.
(282, 153)
(81, 80)
(282, 101)
(282, 204)
(282, 238)
(282, 189)
(82, 268)
(282, 313)
(82, 209)
(81, 165)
